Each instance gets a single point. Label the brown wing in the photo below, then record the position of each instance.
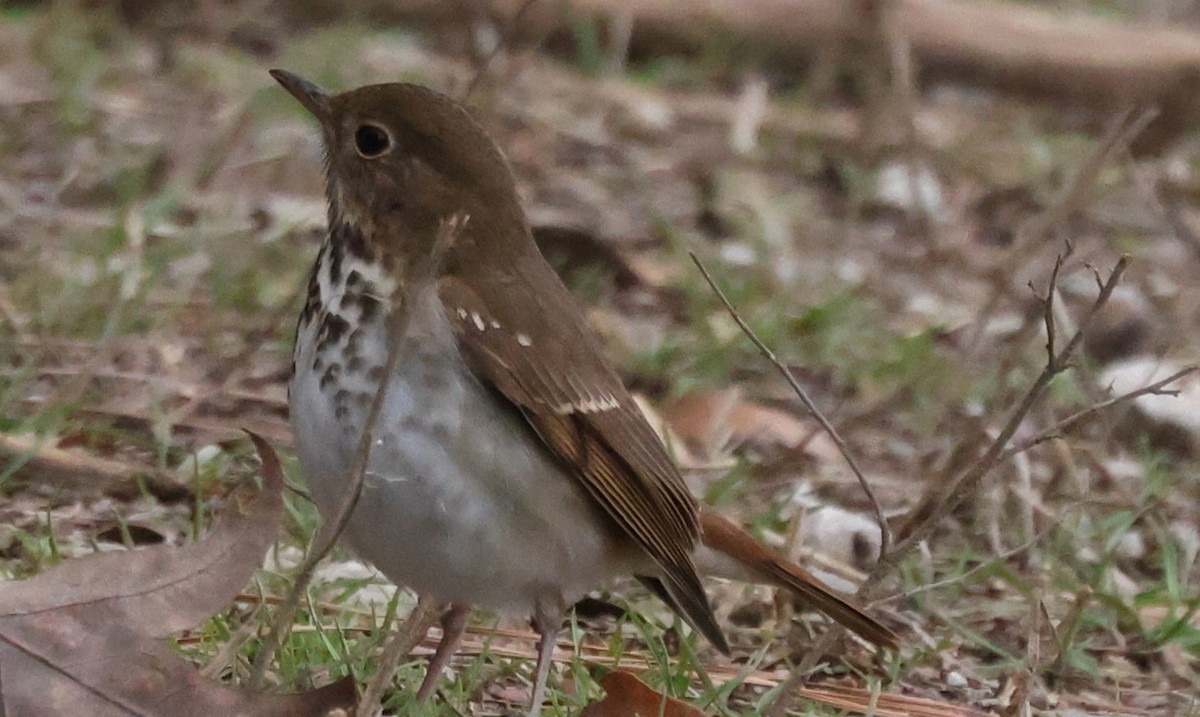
(535, 349)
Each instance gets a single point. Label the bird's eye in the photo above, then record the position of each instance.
(372, 141)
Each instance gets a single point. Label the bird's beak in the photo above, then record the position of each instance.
(314, 99)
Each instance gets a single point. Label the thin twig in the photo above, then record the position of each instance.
(333, 526)
(958, 489)
(954, 493)
(927, 515)
(505, 39)
(407, 636)
(1167, 204)
(978, 568)
(1120, 132)
(1158, 388)
(1048, 301)
(884, 534)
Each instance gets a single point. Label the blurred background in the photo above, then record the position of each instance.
(882, 187)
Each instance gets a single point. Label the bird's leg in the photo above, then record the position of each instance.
(547, 619)
(402, 640)
(454, 623)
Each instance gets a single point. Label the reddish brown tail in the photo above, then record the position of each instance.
(721, 535)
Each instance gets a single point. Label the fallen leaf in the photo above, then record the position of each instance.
(713, 421)
(77, 471)
(627, 696)
(86, 636)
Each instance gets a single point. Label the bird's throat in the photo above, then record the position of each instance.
(350, 291)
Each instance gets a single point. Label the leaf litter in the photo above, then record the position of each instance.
(89, 635)
(913, 334)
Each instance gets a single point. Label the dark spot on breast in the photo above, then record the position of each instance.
(353, 280)
(368, 306)
(352, 348)
(333, 328)
(434, 377)
(375, 374)
(355, 364)
(353, 240)
(318, 364)
(341, 397)
(336, 255)
(312, 302)
(333, 373)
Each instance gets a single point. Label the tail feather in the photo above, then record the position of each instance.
(689, 602)
(762, 565)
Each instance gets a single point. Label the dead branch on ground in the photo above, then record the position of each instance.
(1024, 50)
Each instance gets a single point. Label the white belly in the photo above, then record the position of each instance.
(475, 513)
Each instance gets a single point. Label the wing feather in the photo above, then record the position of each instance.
(575, 402)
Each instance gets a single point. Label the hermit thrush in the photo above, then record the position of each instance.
(509, 466)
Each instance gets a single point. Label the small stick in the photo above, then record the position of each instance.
(1158, 388)
(958, 488)
(505, 40)
(406, 637)
(285, 616)
(884, 535)
(1127, 125)
(978, 568)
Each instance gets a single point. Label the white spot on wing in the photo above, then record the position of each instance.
(524, 340)
(495, 324)
(475, 317)
(607, 402)
(462, 313)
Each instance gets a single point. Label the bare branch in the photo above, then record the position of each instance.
(1117, 136)
(955, 491)
(1158, 388)
(514, 22)
(958, 488)
(1048, 301)
(927, 513)
(407, 637)
(884, 534)
(423, 275)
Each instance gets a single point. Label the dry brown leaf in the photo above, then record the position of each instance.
(627, 696)
(711, 421)
(45, 461)
(86, 636)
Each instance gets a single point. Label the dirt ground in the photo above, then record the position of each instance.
(892, 239)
